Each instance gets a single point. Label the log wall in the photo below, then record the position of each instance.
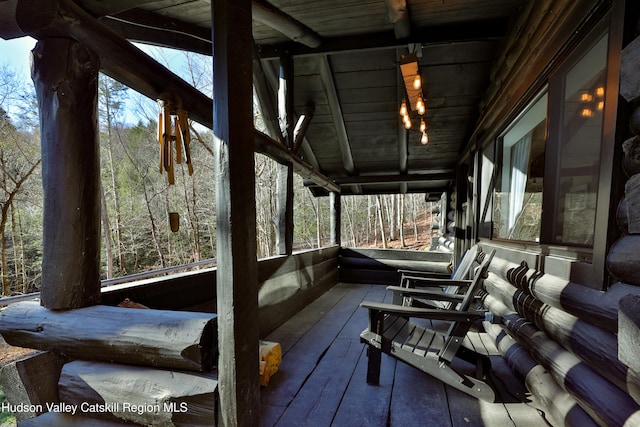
(568, 329)
(286, 284)
(380, 266)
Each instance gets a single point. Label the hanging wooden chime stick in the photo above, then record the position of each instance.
(177, 136)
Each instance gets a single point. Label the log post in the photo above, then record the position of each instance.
(335, 207)
(65, 74)
(237, 275)
(284, 184)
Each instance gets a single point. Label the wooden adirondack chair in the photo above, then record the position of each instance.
(392, 332)
(455, 286)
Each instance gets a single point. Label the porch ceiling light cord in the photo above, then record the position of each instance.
(414, 100)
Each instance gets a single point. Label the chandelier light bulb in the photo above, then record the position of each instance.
(600, 91)
(420, 107)
(425, 139)
(423, 126)
(407, 122)
(403, 108)
(417, 82)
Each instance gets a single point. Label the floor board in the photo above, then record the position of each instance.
(322, 379)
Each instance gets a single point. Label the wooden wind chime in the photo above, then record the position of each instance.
(173, 137)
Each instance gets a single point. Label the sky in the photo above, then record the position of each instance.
(16, 53)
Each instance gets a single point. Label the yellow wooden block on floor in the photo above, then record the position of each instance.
(270, 358)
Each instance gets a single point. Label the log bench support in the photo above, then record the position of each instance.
(160, 338)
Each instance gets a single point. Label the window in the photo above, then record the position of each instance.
(548, 159)
(580, 90)
(518, 194)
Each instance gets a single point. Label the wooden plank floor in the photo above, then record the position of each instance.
(321, 381)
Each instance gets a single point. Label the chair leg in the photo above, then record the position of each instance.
(373, 366)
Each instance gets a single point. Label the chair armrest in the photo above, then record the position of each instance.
(423, 313)
(425, 274)
(424, 294)
(433, 283)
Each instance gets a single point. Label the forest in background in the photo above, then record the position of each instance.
(136, 198)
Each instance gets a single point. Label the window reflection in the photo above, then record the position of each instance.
(580, 139)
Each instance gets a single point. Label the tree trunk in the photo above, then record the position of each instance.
(318, 231)
(401, 219)
(193, 217)
(116, 205)
(154, 229)
(23, 271)
(107, 234)
(383, 237)
(16, 259)
(414, 215)
(391, 217)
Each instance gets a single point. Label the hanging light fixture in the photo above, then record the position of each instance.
(414, 93)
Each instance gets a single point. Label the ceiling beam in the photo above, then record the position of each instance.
(390, 179)
(399, 17)
(273, 149)
(129, 65)
(326, 75)
(437, 34)
(300, 130)
(104, 8)
(9, 28)
(272, 77)
(266, 99)
(346, 191)
(159, 35)
(119, 59)
(273, 17)
(403, 134)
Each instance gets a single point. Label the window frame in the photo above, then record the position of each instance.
(606, 191)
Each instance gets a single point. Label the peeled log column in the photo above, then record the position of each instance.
(65, 75)
(161, 338)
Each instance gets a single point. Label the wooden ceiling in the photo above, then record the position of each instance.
(345, 55)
